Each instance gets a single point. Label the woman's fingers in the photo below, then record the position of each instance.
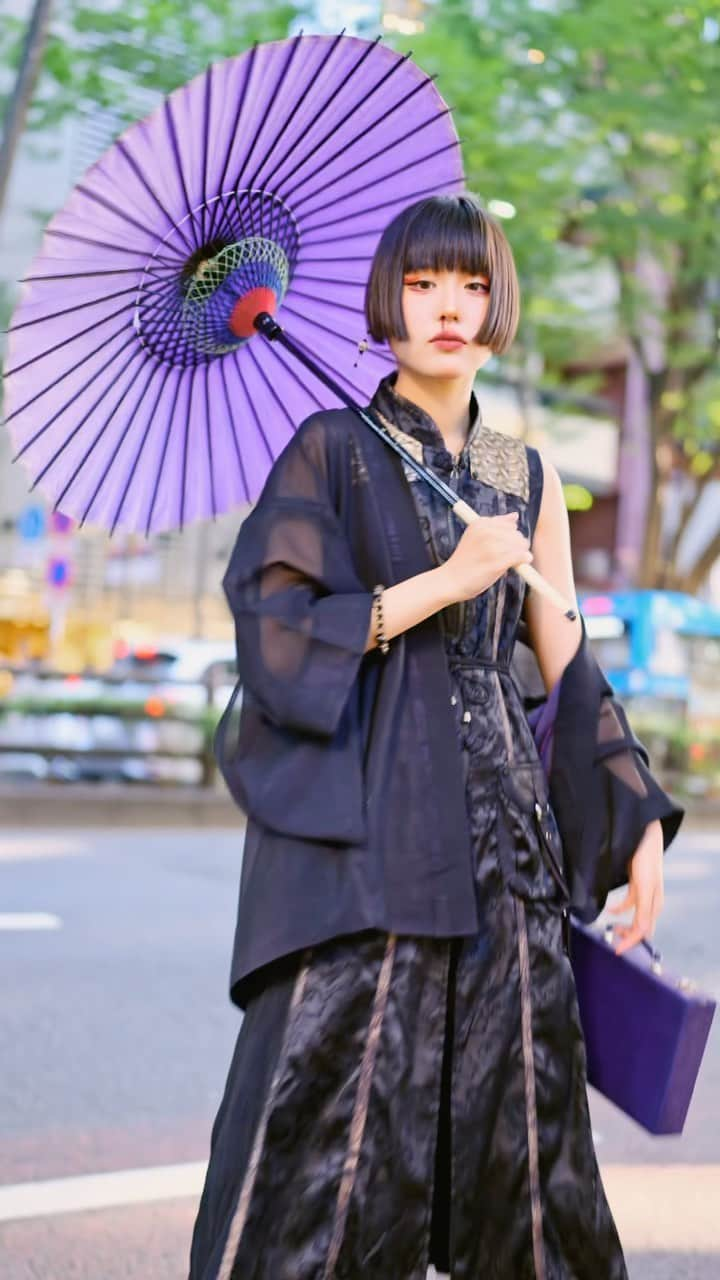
(642, 924)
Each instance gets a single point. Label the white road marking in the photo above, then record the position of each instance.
(665, 1208)
(657, 1208)
(21, 847)
(100, 1191)
(17, 921)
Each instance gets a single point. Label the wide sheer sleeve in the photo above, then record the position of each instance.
(625, 798)
(602, 790)
(301, 613)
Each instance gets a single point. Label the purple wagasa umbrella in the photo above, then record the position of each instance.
(138, 393)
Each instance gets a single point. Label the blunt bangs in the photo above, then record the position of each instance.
(444, 233)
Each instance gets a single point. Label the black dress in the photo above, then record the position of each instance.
(398, 1100)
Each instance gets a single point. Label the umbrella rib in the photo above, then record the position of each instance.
(296, 107)
(299, 275)
(251, 59)
(122, 147)
(172, 350)
(396, 142)
(274, 395)
(186, 438)
(258, 423)
(141, 446)
(50, 351)
(207, 105)
(226, 228)
(111, 208)
(365, 257)
(170, 120)
(274, 142)
(231, 417)
(328, 101)
(357, 213)
(61, 378)
(289, 55)
(78, 427)
(310, 389)
(294, 372)
(384, 178)
(66, 311)
(337, 374)
(154, 324)
(317, 325)
(81, 275)
(161, 466)
(116, 248)
(116, 451)
(208, 438)
(155, 302)
(313, 297)
(380, 119)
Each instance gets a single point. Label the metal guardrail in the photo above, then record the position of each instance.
(204, 720)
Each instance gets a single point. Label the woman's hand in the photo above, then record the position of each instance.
(645, 889)
(488, 547)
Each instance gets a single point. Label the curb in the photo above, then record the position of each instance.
(116, 804)
(39, 804)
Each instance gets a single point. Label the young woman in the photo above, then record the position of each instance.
(408, 1085)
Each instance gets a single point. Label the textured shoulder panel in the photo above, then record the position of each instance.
(501, 461)
(496, 459)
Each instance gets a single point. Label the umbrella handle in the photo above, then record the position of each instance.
(468, 515)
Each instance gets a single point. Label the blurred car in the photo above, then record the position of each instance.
(176, 678)
(17, 766)
(181, 675)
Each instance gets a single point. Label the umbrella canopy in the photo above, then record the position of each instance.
(137, 393)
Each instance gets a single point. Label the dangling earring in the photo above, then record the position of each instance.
(362, 347)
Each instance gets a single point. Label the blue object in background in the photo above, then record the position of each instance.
(657, 644)
(59, 573)
(31, 523)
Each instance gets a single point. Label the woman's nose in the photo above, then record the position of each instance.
(449, 306)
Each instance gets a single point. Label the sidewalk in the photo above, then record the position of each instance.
(41, 804)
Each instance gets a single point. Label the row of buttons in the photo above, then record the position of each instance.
(478, 695)
(466, 714)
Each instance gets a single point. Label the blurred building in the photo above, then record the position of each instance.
(171, 584)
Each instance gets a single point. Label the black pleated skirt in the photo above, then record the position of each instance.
(396, 1100)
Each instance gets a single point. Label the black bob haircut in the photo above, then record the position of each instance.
(444, 233)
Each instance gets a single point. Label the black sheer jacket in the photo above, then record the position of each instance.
(347, 764)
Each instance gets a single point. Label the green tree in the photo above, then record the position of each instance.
(598, 121)
(111, 54)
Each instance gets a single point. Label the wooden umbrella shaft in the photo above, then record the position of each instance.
(271, 330)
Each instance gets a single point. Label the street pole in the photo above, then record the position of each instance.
(19, 100)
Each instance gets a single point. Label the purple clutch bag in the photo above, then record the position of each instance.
(645, 1031)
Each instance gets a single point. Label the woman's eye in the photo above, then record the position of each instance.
(477, 285)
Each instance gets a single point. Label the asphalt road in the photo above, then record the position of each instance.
(116, 1033)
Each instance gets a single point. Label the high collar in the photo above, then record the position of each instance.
(410, 417)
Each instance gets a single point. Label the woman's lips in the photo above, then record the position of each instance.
(448, 344)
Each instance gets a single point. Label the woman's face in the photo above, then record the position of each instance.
(434, 302)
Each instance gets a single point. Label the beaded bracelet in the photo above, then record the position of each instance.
(383, 642)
